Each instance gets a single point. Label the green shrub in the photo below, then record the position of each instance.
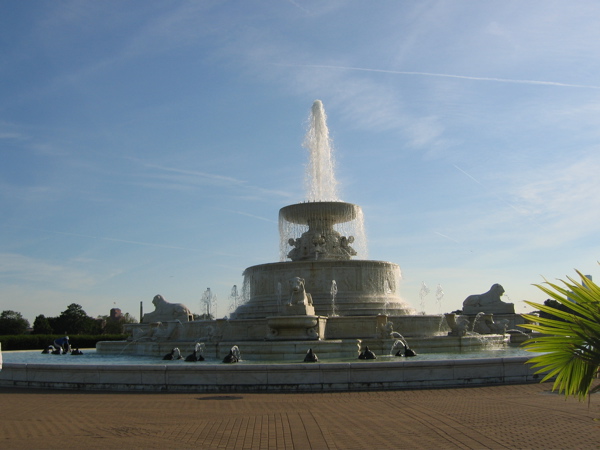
(41, 341)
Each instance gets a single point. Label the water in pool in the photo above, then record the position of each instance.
(90, 356)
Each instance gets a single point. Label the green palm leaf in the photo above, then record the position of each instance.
(570, 344)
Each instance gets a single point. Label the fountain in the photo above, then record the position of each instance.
(322, 290)
(320, 297)
(322, 238)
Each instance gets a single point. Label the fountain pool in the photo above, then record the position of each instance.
(91, 357)
(93, 371)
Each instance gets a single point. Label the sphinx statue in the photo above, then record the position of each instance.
(166, 312)
(488, 303)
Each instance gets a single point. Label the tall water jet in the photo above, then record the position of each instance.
(321, 184)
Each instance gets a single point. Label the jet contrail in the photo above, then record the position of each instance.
(447, 237)
(445, 75)
(467, 174)
(479, 183)
(247, 215)
(103, 238)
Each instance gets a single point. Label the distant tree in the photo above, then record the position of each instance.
(41, 325)
(74, 320)
(12, 322)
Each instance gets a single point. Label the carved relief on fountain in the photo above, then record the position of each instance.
(321, 242)
(481, 323)
(363, 288)
(297, 319)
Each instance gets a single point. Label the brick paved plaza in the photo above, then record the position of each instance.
(501, 417)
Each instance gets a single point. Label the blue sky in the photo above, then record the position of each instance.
(147, 146)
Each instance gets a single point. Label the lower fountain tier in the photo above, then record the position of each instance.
(364, 288)
(282, 351)
(275, 328)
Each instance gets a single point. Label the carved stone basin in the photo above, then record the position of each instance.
(332, 212)
(296, 327)
(293, 321)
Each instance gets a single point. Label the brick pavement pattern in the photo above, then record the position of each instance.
(500, 417)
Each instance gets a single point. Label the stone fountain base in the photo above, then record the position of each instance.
(288, 338)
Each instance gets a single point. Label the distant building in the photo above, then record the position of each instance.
(115, 314)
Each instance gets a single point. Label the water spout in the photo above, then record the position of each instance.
(439, 295)
(320, 179)
(210, 303)
(333, 292)
(422, 294)
(475, 320)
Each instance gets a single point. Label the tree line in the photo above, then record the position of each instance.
(73, 320)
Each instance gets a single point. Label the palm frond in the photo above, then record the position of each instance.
(569, 343)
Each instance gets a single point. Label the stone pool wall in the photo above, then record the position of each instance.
(298, 377)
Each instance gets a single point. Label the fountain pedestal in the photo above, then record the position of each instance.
(298, 322)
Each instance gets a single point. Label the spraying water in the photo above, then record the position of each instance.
(209, 300)
(234, 298)
(475, 320)
(321, 184)
(333, 291)
(388, 291)
(422, 294)
(439, 295)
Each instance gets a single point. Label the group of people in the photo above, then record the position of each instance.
(62, 346)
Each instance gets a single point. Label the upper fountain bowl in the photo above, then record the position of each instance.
(333, 212)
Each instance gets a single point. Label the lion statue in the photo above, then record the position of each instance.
(299, 296)
(165, 312)
(489, 302)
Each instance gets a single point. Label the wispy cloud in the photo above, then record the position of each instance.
(549, 207)
(25, 194)
(254, 216)
(11, 132)
(111, 239)
(446, 237)
(487, 187)
(198, 177)
(185, 179)
(564, 196)
(11, 135)
(300, 7)
(442, 75)
(20, 268)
